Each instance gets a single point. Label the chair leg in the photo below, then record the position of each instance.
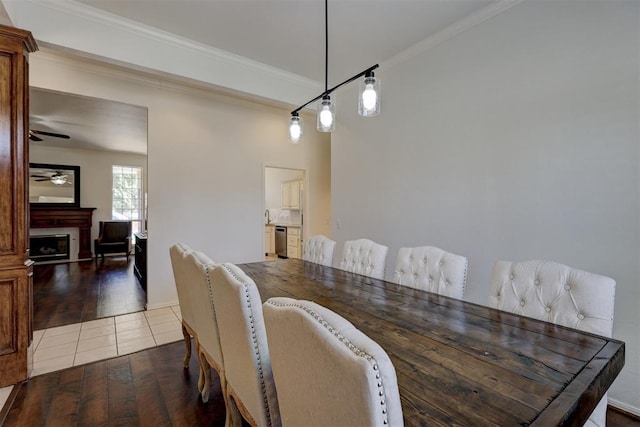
(225, 396)
(233, 418)
(187, 344)
(201, 368)
(205, 372)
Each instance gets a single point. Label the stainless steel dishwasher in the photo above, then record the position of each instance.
(281, 242)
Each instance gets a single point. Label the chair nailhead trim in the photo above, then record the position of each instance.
(206, 273)
(349, 345)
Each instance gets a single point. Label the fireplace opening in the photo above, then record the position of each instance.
(52, 247)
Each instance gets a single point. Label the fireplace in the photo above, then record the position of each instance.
(47, 217)
(49, 247)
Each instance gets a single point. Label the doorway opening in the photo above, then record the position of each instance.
(101, 134)
(284, 202)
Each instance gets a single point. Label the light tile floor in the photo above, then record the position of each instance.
(72, 345)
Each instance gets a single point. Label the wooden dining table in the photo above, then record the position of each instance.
(460, 363)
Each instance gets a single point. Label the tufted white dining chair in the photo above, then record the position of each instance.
(208, 347)
(431, 269)
(251, 391)
(558, 294)
(365, 257)
(327, 372)
(178, 254)
(319, 249)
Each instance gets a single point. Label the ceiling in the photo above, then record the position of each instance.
(282, 35)
(289, 34)
(92, 123)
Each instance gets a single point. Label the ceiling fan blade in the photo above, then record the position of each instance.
(43, 179)
(40, 176)
(32, 137)
(53, 134)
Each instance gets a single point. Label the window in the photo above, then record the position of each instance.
(127, 195)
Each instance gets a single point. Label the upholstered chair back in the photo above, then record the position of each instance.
(319, 249)
(327, 372)
(206, 326)
(198, 267)
(114, 231)
(364, 257)
(432, 269)
(178, 254)
(558, 294)
(244, 346)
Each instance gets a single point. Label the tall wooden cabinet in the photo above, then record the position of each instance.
(15, 268)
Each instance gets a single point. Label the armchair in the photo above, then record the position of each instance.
(114, 237)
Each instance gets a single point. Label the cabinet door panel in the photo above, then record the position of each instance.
(8, 289)
(294, 195)
(286, 195)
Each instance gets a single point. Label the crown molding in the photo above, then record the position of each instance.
(66, 60)
(98, 16)
(451, 31)
(77, 27)
(70, 25)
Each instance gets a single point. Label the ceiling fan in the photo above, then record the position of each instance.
(33, 135)
(57, 178)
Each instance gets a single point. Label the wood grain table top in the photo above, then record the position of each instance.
(460, 363)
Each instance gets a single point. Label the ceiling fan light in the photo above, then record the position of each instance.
(59, 179)
(326, 115)
(295, 129)
(369, 96)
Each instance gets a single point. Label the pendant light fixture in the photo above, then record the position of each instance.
(295, 129)
(326, 115)
(368, 95)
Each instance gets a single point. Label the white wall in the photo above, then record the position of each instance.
(206, 156)
(95, 175)
(516, 140)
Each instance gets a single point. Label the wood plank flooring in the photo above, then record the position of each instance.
(149, 388)
(81, 291)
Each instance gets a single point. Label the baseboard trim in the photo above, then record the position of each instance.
(628, 410)
(162, 305)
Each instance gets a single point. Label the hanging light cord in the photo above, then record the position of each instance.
(326, 45)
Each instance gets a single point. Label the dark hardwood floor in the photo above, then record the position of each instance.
(149, 388)
(80, 291)
(618, 418)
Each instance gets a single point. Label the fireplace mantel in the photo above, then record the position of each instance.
(66, 216)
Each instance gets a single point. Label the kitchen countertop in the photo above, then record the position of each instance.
(278, 224)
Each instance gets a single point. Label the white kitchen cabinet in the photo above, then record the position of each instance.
(293, 242)
(269, 240)
(291, 195)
